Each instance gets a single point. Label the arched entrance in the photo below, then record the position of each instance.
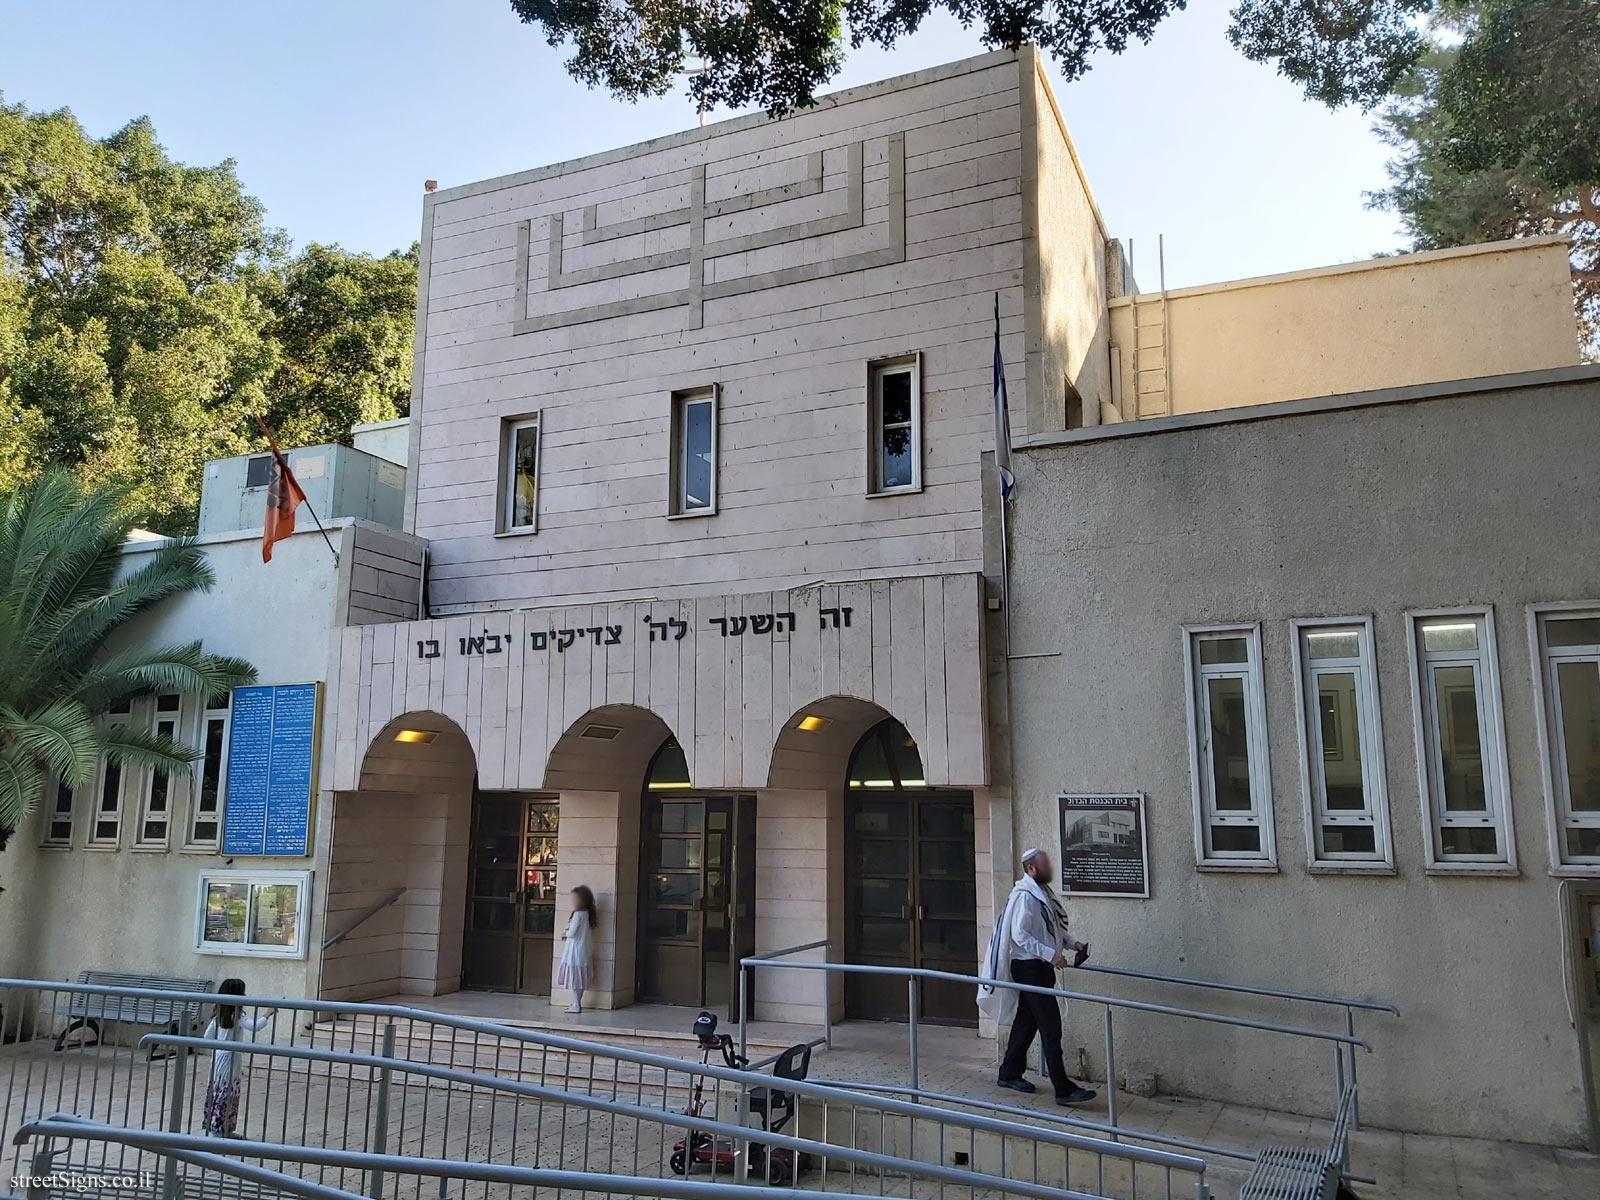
(697, 907)
(911, 892)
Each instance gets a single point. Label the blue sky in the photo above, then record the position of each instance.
(337, 111)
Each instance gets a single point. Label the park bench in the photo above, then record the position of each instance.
(1301, 1172)
(173, 1014)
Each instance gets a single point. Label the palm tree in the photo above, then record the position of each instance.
(60, 599)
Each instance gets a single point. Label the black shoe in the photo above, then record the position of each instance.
(1078, 1095)
(1018, 1084)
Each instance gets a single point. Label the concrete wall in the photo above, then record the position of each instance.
(388, 440)
(1067, 319)
(598, 845)
(1386, 322)
(1483, 498)
(774, 259)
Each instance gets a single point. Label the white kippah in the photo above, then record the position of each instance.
(1029, 855)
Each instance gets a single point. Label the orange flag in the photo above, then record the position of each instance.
(284, 494)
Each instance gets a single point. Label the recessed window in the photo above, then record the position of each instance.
(253, 912)
(155, 818)
(519, 476)
(894, 427)
(1461, 742)
(205, 815)
(694, 453)
(1341, 745)
(58, 820)
(111, 785)
(1569, 654)
(258, 471)
(1228, 740)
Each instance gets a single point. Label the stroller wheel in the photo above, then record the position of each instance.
(781, 1173)
(679, 1163)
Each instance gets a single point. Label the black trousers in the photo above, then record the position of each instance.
(1040, 1015)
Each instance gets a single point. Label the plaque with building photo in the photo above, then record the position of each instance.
(1104, 851)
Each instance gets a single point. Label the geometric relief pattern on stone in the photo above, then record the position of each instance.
(692, 259)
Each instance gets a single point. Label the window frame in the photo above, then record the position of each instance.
(191, 843)
(52, 814)
(154, 718)
(1368, 731)
(301, 879)
(1257, 743)
(125, 775)
(1552, 750)
(1491, 740)
(505, 498)
(877, 370)
(677, 448)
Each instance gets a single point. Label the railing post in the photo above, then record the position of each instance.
(380, 1115)
(911, 1024)
(827, 998)
(744, 1009)
(1111, 1074)
(169, 1175)
(1355, 1097)
(43, 1165)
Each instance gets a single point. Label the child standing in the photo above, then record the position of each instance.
(228, 1026)
(574, 971)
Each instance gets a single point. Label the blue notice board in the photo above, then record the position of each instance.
(272, 752)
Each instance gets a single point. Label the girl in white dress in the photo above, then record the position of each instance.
(573, 974)
(228, 1026)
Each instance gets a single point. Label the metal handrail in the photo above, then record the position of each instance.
(65, 1126)
(742, 1078)
(364, 918)
(1247, 989)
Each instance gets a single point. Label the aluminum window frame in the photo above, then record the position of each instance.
(1257, 747)
(1552, 746)
(505, 496)
(192, 843)
(1368, 730)
(877, 371)
(1491, 742)
(678, 449)
(125, 776)
(53, 814)
(154, 719)
(254, 879)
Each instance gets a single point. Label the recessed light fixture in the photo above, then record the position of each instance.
(423, 736)
(812, 723)
(602, 733)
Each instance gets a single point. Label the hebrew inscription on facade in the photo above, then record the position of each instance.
(712, 249)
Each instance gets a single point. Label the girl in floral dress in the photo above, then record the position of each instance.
(573, 974)
(228, 1026)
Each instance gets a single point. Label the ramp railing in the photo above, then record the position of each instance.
(372, 1099)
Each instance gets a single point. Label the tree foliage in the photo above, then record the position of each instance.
(147, 312)
(1498, 135)
(60, 600)
(778, 53)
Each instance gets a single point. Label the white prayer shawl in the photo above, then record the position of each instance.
(1001, 1003)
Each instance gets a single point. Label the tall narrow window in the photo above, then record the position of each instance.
(205, 817)
(105, 828)
(1569, 651)
(519, 476)
(1228, 740)
(694, 453)
(1341, 745)
(1461, 751)
(58, 821)
(155, 820)
(894, 427)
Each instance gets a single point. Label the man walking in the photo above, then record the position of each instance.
(1030, 943)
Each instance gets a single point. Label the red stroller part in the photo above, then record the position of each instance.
(776, 1109)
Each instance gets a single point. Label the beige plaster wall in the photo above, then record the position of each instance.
(598, 845)
(1065, 270)
(1387, 322)
(799, 897)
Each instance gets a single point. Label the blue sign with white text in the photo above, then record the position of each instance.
(272, 743)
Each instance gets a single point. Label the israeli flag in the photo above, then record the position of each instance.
(1002, 419)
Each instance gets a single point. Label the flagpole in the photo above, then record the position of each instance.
(320, 529)
(283, 465)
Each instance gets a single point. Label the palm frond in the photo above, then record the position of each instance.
(61, 739)
(21, 782)
(187, 670)
(134, 747)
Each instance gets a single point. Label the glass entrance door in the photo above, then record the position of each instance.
(697, 905)
(511, 894)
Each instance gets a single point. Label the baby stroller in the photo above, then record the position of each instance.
(776, 1109)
